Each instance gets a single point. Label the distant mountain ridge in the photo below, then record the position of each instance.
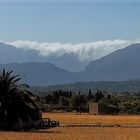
(121, 65)
(35, 73)
(12, 54)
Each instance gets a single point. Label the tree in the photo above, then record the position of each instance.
(17, 108)
(98, 96)
(109, 100)
(90, 96)
(78, 101)
(63, 101)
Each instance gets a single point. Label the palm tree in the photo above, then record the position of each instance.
(17, 109)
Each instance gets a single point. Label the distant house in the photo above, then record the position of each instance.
(98, 109)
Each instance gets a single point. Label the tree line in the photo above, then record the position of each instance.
(61, 100)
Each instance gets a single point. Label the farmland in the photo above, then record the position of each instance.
(85, 118)
(81, 133)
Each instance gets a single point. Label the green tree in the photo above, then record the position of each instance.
(64, 101)
(98, 96)
(17, 108)
(78, 101)
(90, 96)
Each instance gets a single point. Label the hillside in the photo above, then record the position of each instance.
(35, 73)
(10, 53)
(120, 65)
(130, 86)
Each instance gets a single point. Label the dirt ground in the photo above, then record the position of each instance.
(75, 133)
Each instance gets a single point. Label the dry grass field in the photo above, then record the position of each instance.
(72, 118)
(81, 133)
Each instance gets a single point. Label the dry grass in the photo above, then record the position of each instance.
(72, 118)
(82, 133)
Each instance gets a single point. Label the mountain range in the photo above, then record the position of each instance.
(35, 73)
(121, 65)
(10, 53)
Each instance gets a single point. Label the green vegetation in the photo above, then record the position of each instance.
(59, 100)
(17, 108)
(20, 109)
(109, 86)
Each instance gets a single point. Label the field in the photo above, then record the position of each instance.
(72, 118)
(81, 133)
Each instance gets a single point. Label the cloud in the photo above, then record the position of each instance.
(84, 51)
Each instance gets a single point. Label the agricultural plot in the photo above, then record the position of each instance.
(80, 133)
(72, 118)
(76, 133)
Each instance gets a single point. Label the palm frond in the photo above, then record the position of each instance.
(15, 99)
(24, 85)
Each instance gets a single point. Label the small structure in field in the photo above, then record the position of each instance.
(98, 109)
(47, 123)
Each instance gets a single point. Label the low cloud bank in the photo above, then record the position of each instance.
(84, 51)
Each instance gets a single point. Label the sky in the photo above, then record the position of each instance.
(64, 21)
(89, 29)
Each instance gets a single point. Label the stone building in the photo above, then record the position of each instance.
(98, 109)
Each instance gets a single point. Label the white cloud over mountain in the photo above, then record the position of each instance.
(84, 51)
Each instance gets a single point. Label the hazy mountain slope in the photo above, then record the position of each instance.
(40, 73)
(11, 54)
(123, 86)
(122, 64)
